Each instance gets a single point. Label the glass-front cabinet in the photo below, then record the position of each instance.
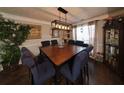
(112, 47)
(114, 44)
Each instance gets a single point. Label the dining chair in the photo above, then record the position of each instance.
(41, 72)
(89, 48)
(27, 57)
(85, 45)
(74, 72)
(71, 42)
(54, 42)
(79, 43)
(85, 67)
(41, 53)
(65, 41)
(45, 43)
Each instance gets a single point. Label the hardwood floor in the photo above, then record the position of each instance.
(99, 74)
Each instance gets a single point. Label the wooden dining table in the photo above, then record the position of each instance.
(60, 54)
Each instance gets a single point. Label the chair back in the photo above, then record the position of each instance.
(42, 72)
(45, 43)
(79, 43)
(71, 42)
(78, 61)
(89, 48)
(85, 45)
(27, 57)
(54, 42)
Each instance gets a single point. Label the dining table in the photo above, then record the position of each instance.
(60, 54)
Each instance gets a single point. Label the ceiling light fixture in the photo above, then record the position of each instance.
(61, 24)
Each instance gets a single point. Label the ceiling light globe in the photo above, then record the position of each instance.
(68, 28)
(65, 27)
(57, 25)
(60, 26)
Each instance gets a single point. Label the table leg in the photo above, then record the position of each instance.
(57, 75)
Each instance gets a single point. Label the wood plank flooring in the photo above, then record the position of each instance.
(99, 74)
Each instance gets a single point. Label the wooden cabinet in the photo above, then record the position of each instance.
(61, 29)
(67, 35)
(62, 34)
(114, 44)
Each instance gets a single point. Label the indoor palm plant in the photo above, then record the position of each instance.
(12, 35)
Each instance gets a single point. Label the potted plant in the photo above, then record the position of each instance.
(12, 35)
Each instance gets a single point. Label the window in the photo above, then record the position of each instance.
(91, 30)
(85, 33)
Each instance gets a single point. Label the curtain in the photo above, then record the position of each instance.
(92, 33)
(96, 39)
(92, 36)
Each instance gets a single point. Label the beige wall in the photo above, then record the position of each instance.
(34, 44)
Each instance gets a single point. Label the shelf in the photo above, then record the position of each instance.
(113, 45)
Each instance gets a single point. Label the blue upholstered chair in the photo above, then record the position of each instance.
(71, 42)
(85, 45)
(27, 57)
(40, 72)
(74, 73)
(79, 43)
(41, 56)
(85, 71)
(54, 42)
(45, 43)
(89, 48)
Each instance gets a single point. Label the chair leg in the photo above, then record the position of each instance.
(82, 76)
(87, 72)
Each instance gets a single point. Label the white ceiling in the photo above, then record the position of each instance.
(75, 14)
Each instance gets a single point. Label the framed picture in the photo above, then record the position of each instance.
(55, 33)
(35, 32)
